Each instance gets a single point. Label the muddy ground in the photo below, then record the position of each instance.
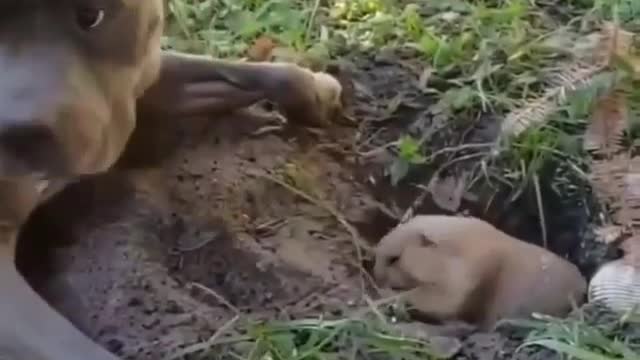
(149, 262)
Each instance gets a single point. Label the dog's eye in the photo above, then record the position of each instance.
(89, 17)
(393, 260)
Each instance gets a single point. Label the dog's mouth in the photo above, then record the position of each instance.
(39, 164)
(42, 185)
(14, 167)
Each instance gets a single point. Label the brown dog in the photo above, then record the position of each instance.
(75, 75)
(463, 268)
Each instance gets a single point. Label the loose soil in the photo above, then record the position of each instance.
(150, 261)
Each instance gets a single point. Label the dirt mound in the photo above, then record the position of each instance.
(160, 259)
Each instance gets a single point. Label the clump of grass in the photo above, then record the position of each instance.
(226, 28)
(586, 337)
(483, 57)
(316, 339)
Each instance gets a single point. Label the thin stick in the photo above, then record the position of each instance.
(218, 297)
(543, 227)
(459, 148)
(356, 239)
(312, 19)
(362, 245)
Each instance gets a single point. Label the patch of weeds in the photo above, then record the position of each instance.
(626, 11)
(483, 57)
(556, 144)
(583, 337)
(323, 339)
(226, 28)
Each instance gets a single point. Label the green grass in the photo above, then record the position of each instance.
(317, 339)
(582, 337)
(483, 57)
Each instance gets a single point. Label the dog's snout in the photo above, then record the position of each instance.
(26, 146)
(32, 91)
(21, 137)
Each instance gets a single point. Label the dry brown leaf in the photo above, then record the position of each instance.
(608, 123)
(612, 41)
(534, 113)
(631, 212)
(616, 182)
(537, 110)
(624, 44)
(631, 248)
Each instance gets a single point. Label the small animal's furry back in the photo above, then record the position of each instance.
(446, 283)
(471, 271)
(536, 280)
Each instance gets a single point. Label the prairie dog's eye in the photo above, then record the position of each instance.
(393, 260)
(89, 17)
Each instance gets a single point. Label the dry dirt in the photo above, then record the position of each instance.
(172, 261)
(150, 261)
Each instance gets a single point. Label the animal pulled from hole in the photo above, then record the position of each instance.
(79, 79)
(456, 268)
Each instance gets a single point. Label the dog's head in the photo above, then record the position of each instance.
(71, 73)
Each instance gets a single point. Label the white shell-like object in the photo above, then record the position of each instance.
(616, 285)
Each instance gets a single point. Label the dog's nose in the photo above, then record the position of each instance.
(32, 90)
(21, 138)
(25, 146)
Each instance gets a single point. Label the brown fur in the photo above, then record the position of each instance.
(70, 99)
(463, 268)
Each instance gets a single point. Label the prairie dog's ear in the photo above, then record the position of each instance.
(425, 241)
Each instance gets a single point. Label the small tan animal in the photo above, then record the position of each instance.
(465, 269)
(80, 78)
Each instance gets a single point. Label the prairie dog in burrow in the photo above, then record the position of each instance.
(464, 268)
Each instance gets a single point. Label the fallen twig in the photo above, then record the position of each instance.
(543, 225)
(218, 297)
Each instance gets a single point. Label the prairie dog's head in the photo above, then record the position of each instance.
(424, 248)
(403, 256)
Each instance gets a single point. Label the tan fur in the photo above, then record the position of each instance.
(463, 268)
(70, 101)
